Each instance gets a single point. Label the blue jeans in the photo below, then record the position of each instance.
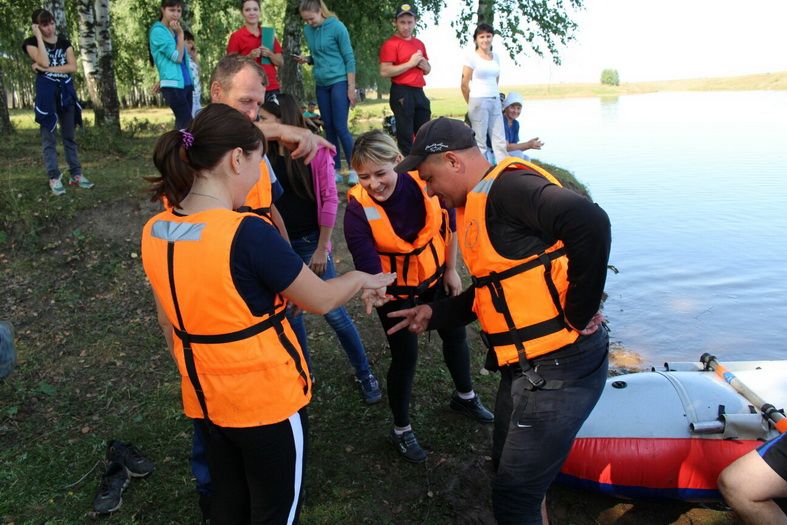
(49, 145)
(199, 461)
(534, 430)
(486, 117)
(338, 318)
(180, 101)
(334, 108)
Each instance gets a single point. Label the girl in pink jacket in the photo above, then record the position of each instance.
(308, 207)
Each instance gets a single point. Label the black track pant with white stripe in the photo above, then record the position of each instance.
(256, 472)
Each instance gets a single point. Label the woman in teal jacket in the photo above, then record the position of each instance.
(167, 51)
(334, 74)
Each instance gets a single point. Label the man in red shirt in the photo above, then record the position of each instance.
(403, 58)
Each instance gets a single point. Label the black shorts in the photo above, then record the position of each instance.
(774, 453)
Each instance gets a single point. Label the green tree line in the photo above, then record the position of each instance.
(110, 41)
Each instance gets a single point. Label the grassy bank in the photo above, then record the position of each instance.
(449, 101)
(93, 366)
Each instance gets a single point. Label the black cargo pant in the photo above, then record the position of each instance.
(412, 110)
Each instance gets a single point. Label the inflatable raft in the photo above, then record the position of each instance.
(669, 433)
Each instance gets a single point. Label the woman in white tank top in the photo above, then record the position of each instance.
(480, 77)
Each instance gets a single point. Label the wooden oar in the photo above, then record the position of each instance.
(770, 411)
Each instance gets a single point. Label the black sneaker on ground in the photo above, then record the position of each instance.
(472, 408)
(129, 456)
(109, 496)
(408, 446)
(370, 389)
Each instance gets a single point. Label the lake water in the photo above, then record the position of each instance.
(695, 185)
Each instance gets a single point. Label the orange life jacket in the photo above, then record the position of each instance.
(238, 369)
(418, 265)
(519, 303)
(260, 196)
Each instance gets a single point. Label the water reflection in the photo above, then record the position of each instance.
(609, 108)
(696, 187)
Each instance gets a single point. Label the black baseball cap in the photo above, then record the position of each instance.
(406, 9)
(437, 136)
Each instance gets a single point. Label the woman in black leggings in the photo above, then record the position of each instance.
(392, 223)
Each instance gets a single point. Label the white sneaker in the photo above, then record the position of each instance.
(56, 185)
(81, 181)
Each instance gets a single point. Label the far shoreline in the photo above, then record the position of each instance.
(776, 81)
(449, 102)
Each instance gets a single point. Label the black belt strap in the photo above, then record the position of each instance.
(553, 384)
(188, 354)
(516, 270)
(230, 337)
(413, 292)
(416, 291)
(274, 321)
(527, 333)
(518, 336)
(293, 352)
(551, 284)
(417, 251)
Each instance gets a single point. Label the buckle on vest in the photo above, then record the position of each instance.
(534, 378)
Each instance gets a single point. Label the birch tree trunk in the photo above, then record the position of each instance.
(95, 50)
(290, 75)
(106, 66)
(486, 12)
(58, 10)
(5, 118)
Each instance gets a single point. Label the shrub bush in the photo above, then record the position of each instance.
(610, 77)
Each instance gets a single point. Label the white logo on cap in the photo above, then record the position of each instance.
(436, 147)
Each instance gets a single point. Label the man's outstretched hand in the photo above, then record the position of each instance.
(414, 319)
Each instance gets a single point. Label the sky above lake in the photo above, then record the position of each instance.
(643, 40)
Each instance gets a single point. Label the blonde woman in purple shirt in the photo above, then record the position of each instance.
(403, 202)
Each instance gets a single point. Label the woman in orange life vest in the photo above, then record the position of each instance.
(221, 304)
(392, 225)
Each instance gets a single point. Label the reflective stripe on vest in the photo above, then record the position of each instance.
(238, 369)
(519, 303)
(418, 265)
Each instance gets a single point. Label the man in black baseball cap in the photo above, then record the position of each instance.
(435, 156)
(436, 136)
(538, 256)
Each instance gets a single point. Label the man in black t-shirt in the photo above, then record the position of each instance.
(56, 100)
(538, 255)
